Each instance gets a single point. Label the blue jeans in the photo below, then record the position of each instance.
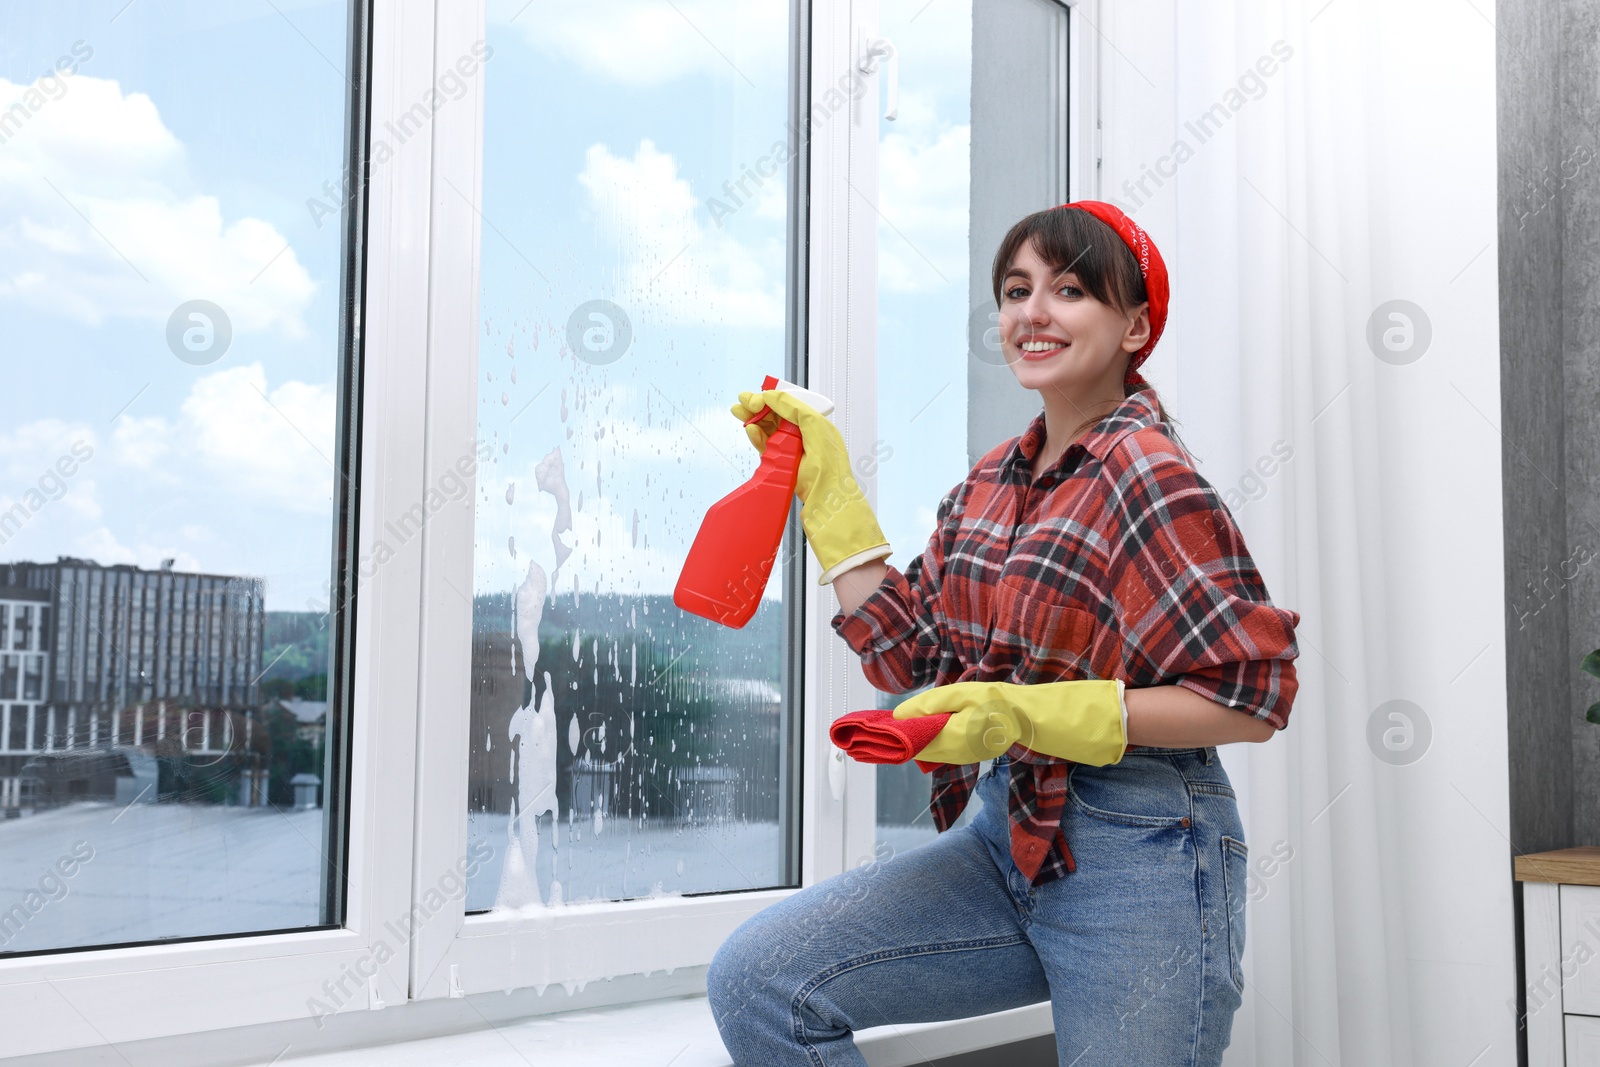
(1138, 950)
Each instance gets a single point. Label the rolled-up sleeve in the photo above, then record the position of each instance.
(1194, 608)
(899, 630)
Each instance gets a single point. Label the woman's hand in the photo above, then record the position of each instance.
(825, 461)
(1084, 721)
(758, 431)
(838, 521)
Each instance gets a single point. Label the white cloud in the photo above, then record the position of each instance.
(141, 442)
(26, 451)
(82, 500)
(234, 433)
(101, 220)
(924, 182)
(102, 546)
(604, 555)
(711, 439)
(43, 484)
(643, 43)
(35, 459)
(681, 272)
(605, 552)
(772, 201)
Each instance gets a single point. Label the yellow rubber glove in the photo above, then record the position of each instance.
(1085, 721)
(840, 525)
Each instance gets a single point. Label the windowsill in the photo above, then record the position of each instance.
(649, 1019)
(678, 1031)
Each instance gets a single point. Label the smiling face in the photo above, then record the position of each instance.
(1053, 333)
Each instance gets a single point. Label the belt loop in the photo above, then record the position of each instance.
(1210, 753)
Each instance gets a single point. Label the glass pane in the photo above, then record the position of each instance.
(924, 167)
(172, 279)
(636, 205)
(965, 159)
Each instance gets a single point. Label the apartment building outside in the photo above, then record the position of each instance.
(94, 657)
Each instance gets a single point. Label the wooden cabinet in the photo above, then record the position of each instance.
(1561, 956)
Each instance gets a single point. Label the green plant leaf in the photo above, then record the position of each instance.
(1591, 663)
(1594, 713)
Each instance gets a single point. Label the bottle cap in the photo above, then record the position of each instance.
(823, 405)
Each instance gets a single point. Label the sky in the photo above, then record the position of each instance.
(181, 160)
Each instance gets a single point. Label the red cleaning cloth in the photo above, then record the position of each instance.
(876, 736)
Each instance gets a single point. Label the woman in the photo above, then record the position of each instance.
(1085, 549)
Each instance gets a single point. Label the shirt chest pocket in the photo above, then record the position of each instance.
(1056, 636)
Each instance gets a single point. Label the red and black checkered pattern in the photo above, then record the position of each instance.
(1121, 561)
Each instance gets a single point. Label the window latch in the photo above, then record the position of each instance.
(836, 775)
(872, 50)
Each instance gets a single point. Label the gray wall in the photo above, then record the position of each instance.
(1019, 166)
(1549, 244)
(1549, 115)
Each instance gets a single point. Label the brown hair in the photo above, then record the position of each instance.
(1072, 239)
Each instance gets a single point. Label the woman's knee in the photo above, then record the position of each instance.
(776, 951)
(766, 960)
(744, 970)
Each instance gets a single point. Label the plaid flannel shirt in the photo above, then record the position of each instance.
(1121, 561)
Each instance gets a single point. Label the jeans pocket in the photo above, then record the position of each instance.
(1235, 875)
(1139, 791)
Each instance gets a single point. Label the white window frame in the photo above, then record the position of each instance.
(410, 701)
(455, 954)
(1085, 124)
(72, 1000)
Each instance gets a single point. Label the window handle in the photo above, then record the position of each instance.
(882, 48)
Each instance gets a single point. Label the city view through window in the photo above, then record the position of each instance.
(170, 206)
(173, 453)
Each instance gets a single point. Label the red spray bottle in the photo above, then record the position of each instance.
(731, 558)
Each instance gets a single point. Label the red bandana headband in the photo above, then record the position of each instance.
(1151, 265)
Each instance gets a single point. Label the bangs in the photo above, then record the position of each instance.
(1072, 239)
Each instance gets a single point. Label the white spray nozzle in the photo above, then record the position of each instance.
(810, 397)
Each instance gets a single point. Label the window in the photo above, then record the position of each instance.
(22, 627)
(17, 727)
(632, 283)
(181, 443)
(924, 163)
(476, 285)
(621, 269)
(976, 82)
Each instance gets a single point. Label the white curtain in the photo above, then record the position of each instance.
(1357, 170)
